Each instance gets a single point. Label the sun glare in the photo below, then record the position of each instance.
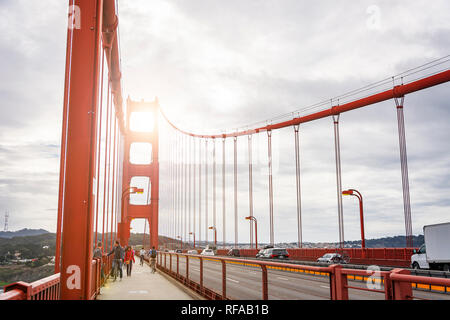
(142, 121)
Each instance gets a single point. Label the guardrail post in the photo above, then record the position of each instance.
(170, 256)
(265, 287)
(224, 280)
(401, 290)
(165, 261)
(338, 283)
(388, 287)
(178, 266)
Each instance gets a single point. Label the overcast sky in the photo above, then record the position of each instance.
(217, 65)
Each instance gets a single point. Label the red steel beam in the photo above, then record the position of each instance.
(78, 203)
(396, 92)
(111, 46)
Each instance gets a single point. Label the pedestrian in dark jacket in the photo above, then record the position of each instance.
(118, 256)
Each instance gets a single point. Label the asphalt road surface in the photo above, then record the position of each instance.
(244, 283)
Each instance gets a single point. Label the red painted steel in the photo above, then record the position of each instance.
(397, 91)
(361, 212)
(395, 257)
(78, 208)
(149, 211)
(397, 283)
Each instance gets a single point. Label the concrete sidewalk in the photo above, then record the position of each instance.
(142, 285)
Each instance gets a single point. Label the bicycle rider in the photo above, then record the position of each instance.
(118, 256)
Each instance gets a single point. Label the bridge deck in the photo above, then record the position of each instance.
(142, 285)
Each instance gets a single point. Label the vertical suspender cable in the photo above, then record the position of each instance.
(113, 184)
(297, 180)
(105, 165)
(189, 185)
(185, 187)
(117, 182)
(250, 186)
(99, 148)
(337, 149)
(214, 183)
(206, 191)
(194, 196)
(223, 194)
(235, 194)
(177, 194)
(404, 171)
(269, 153)
(111, 115)
(199, 191)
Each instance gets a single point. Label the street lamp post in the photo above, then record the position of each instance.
(179, 237)
(126, 192)
(194, 237)
(215, 235)
(353, 192)
(250, 218)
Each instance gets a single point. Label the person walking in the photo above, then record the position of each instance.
(117, 259)
(141, 256)
(152, 255)
(98, 253)
(129, 260)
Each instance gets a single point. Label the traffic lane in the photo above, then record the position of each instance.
(212, 278)
(239, 277)
(286, 285)
(241, 284)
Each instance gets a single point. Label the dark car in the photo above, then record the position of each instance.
(275, 253)
(179, 251)
(234, 253)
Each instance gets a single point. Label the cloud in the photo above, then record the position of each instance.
(219, 66)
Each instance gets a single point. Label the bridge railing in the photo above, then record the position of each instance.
(44, 289)
(170, 264)
(48, 288)
(394, 257)
(396, 284)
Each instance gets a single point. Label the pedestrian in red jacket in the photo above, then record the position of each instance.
(129, 260)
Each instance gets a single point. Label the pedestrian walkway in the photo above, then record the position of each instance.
(142, 285)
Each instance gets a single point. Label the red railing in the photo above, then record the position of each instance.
(393, 257)
(396, 284)
(48, 288)
(44, 289)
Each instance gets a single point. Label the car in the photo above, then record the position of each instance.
(192, 252)
(234, 252)
(260, 253)
(331, 258)
(178, 251)
(208, 252)
(275, 253)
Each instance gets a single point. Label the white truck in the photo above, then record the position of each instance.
(435, 252)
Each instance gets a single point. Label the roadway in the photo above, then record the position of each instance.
(244, 283)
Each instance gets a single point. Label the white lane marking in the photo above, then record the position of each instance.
(282, 278)
(138, 291)
(327, 287)
(196, 269)
(233, 280)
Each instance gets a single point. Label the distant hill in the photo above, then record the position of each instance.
(22, 233)
(389, 242)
